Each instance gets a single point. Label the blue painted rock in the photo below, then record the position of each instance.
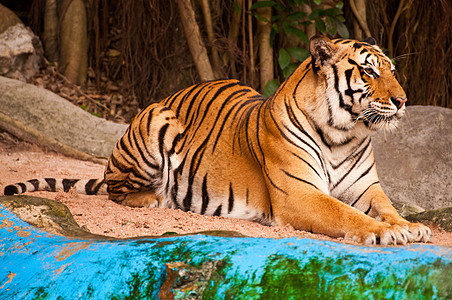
(35, 264)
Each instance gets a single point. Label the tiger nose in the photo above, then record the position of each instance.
(398, 101)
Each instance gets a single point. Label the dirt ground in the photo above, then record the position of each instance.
(21, 161)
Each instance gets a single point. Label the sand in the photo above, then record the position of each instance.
(21, 161)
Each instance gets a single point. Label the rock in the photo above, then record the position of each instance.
(20, 53)
(441, 217)
(40, 111)
(405, 209)
(414, 162)
(48, 215)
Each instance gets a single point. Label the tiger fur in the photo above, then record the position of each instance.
(301, 157)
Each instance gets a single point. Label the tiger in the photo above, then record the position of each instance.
(302, 156)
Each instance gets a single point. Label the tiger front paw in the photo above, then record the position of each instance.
(418, 232)
(386, 235)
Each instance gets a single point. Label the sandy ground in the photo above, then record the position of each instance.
(21, 161)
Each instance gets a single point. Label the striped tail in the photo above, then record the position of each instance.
(81, 186)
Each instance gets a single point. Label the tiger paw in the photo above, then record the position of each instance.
(418, 232)
(388, 235)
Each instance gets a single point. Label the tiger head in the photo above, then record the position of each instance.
(360, 83)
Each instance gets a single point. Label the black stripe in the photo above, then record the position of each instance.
(357, 45)
(226, 117)
(360, 68)
(353, 155)
(364, 173)
(141, 147)
(124, 149)
(170, 100)
(298, 83)
(193, 99)
(217, 212)
(272, 183)
(161, 138)
(342, 104)
(91, 188)
(299, 179)
(68, 184)
(186, 96)
(306, 162)
(176, 172)
(35, 183)
(51, 184)
(339, 40)
(205, 196)
(192, 102)
(294, 120)
(359, 156)
(175, 142)
(149, 116)
(353, 204)
(11, 190)
(231, 198)
(186, 202)
(23, 187)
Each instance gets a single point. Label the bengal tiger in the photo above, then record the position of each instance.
(301, 157)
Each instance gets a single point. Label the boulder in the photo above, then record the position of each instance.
(20, 53)
(40, 116)
(441, 217)
(414, 162)
(51, 216)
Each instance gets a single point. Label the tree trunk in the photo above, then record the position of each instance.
(50, 36)
(359, 11)
(265, 48)
(361, 8)
(233, 36)
(211, 38)
(74, 41)
(195, 43)
(8, 18)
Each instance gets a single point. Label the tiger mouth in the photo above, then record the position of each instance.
(377, 120)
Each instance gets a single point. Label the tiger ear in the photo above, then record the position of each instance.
(370, 41)
(321, 48)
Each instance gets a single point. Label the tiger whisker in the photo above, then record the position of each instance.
(405, 55)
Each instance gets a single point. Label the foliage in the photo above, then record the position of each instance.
(288, 23)
(155, 61)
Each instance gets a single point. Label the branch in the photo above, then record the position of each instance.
(362, 22)
(211, 38)
(400, 9)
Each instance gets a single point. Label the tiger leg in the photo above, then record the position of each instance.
(382, 209)
(314, 211)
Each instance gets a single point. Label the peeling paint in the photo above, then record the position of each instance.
(10, 277)
(47, 266)
(71, 249)
(6, 223)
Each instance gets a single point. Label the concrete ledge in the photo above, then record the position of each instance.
(35, 264)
